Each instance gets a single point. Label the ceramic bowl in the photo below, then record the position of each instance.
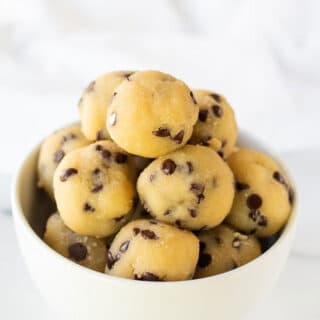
(78, 293)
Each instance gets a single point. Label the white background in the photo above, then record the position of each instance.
(263, 55)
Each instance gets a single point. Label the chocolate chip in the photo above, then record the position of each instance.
(193, 212)
(200, 198)
(263, 222)
(190, 167)
(67, 174)
(58, 156)
(127, 75)
(205, 260)
(68, 137)
(97, 188)
(221, 154)
(202, 246)
(203, 115)
(91, 86)
(223, 143)
(291, 196)
(124, 247)
(149, 235)
(87, 207)
(197, 188)
(254, 214)
(241, 186)
(278, 177)
(153, 222)
(217, 111)
(218, 240)
(179, 137)
(111, 260)
(99, 147)
(203, 228)
(147, 276)
(178, 223)
(168, 166)
(121, 157)
(106, 154)
(77, 251)
(100, 135)
(136, 231)
(167, 212)
(96, 171)
(193, 98)
(216, 97)
(161, 132)
(118, 219)
(113, 118)
(254, 201)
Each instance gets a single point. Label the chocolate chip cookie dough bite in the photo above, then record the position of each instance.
(223, 249)
(94, 103)
(53, 150)
(191, 187)
(94, 189)
(216, 126)
(151, 114)
(149, 250)
(264, 198)
(89, 252)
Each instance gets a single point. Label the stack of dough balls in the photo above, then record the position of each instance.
(151, 184)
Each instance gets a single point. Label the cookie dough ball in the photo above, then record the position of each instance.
(94, 103)
(151, 114)
(94, 190)
(223, 249)
(191, 187)
(53, 150)
(216, 126)
(89, 252)
(264, 198)
(153, 251)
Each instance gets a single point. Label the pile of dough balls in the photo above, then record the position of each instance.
(152, 186)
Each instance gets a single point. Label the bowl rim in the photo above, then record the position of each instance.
(19, 216)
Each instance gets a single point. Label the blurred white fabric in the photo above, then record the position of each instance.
(261, 54)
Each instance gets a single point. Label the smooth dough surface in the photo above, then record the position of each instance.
(223, 249)
(216, 126)
(94, 189)
(89, 252)
(264, 198)
(151, 114)
(153, 251)
(94, 103)
(191, 187)
(53, 150)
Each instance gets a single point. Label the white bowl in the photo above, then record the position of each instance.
(79, 293)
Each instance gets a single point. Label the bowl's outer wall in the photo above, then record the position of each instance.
(78, 293)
